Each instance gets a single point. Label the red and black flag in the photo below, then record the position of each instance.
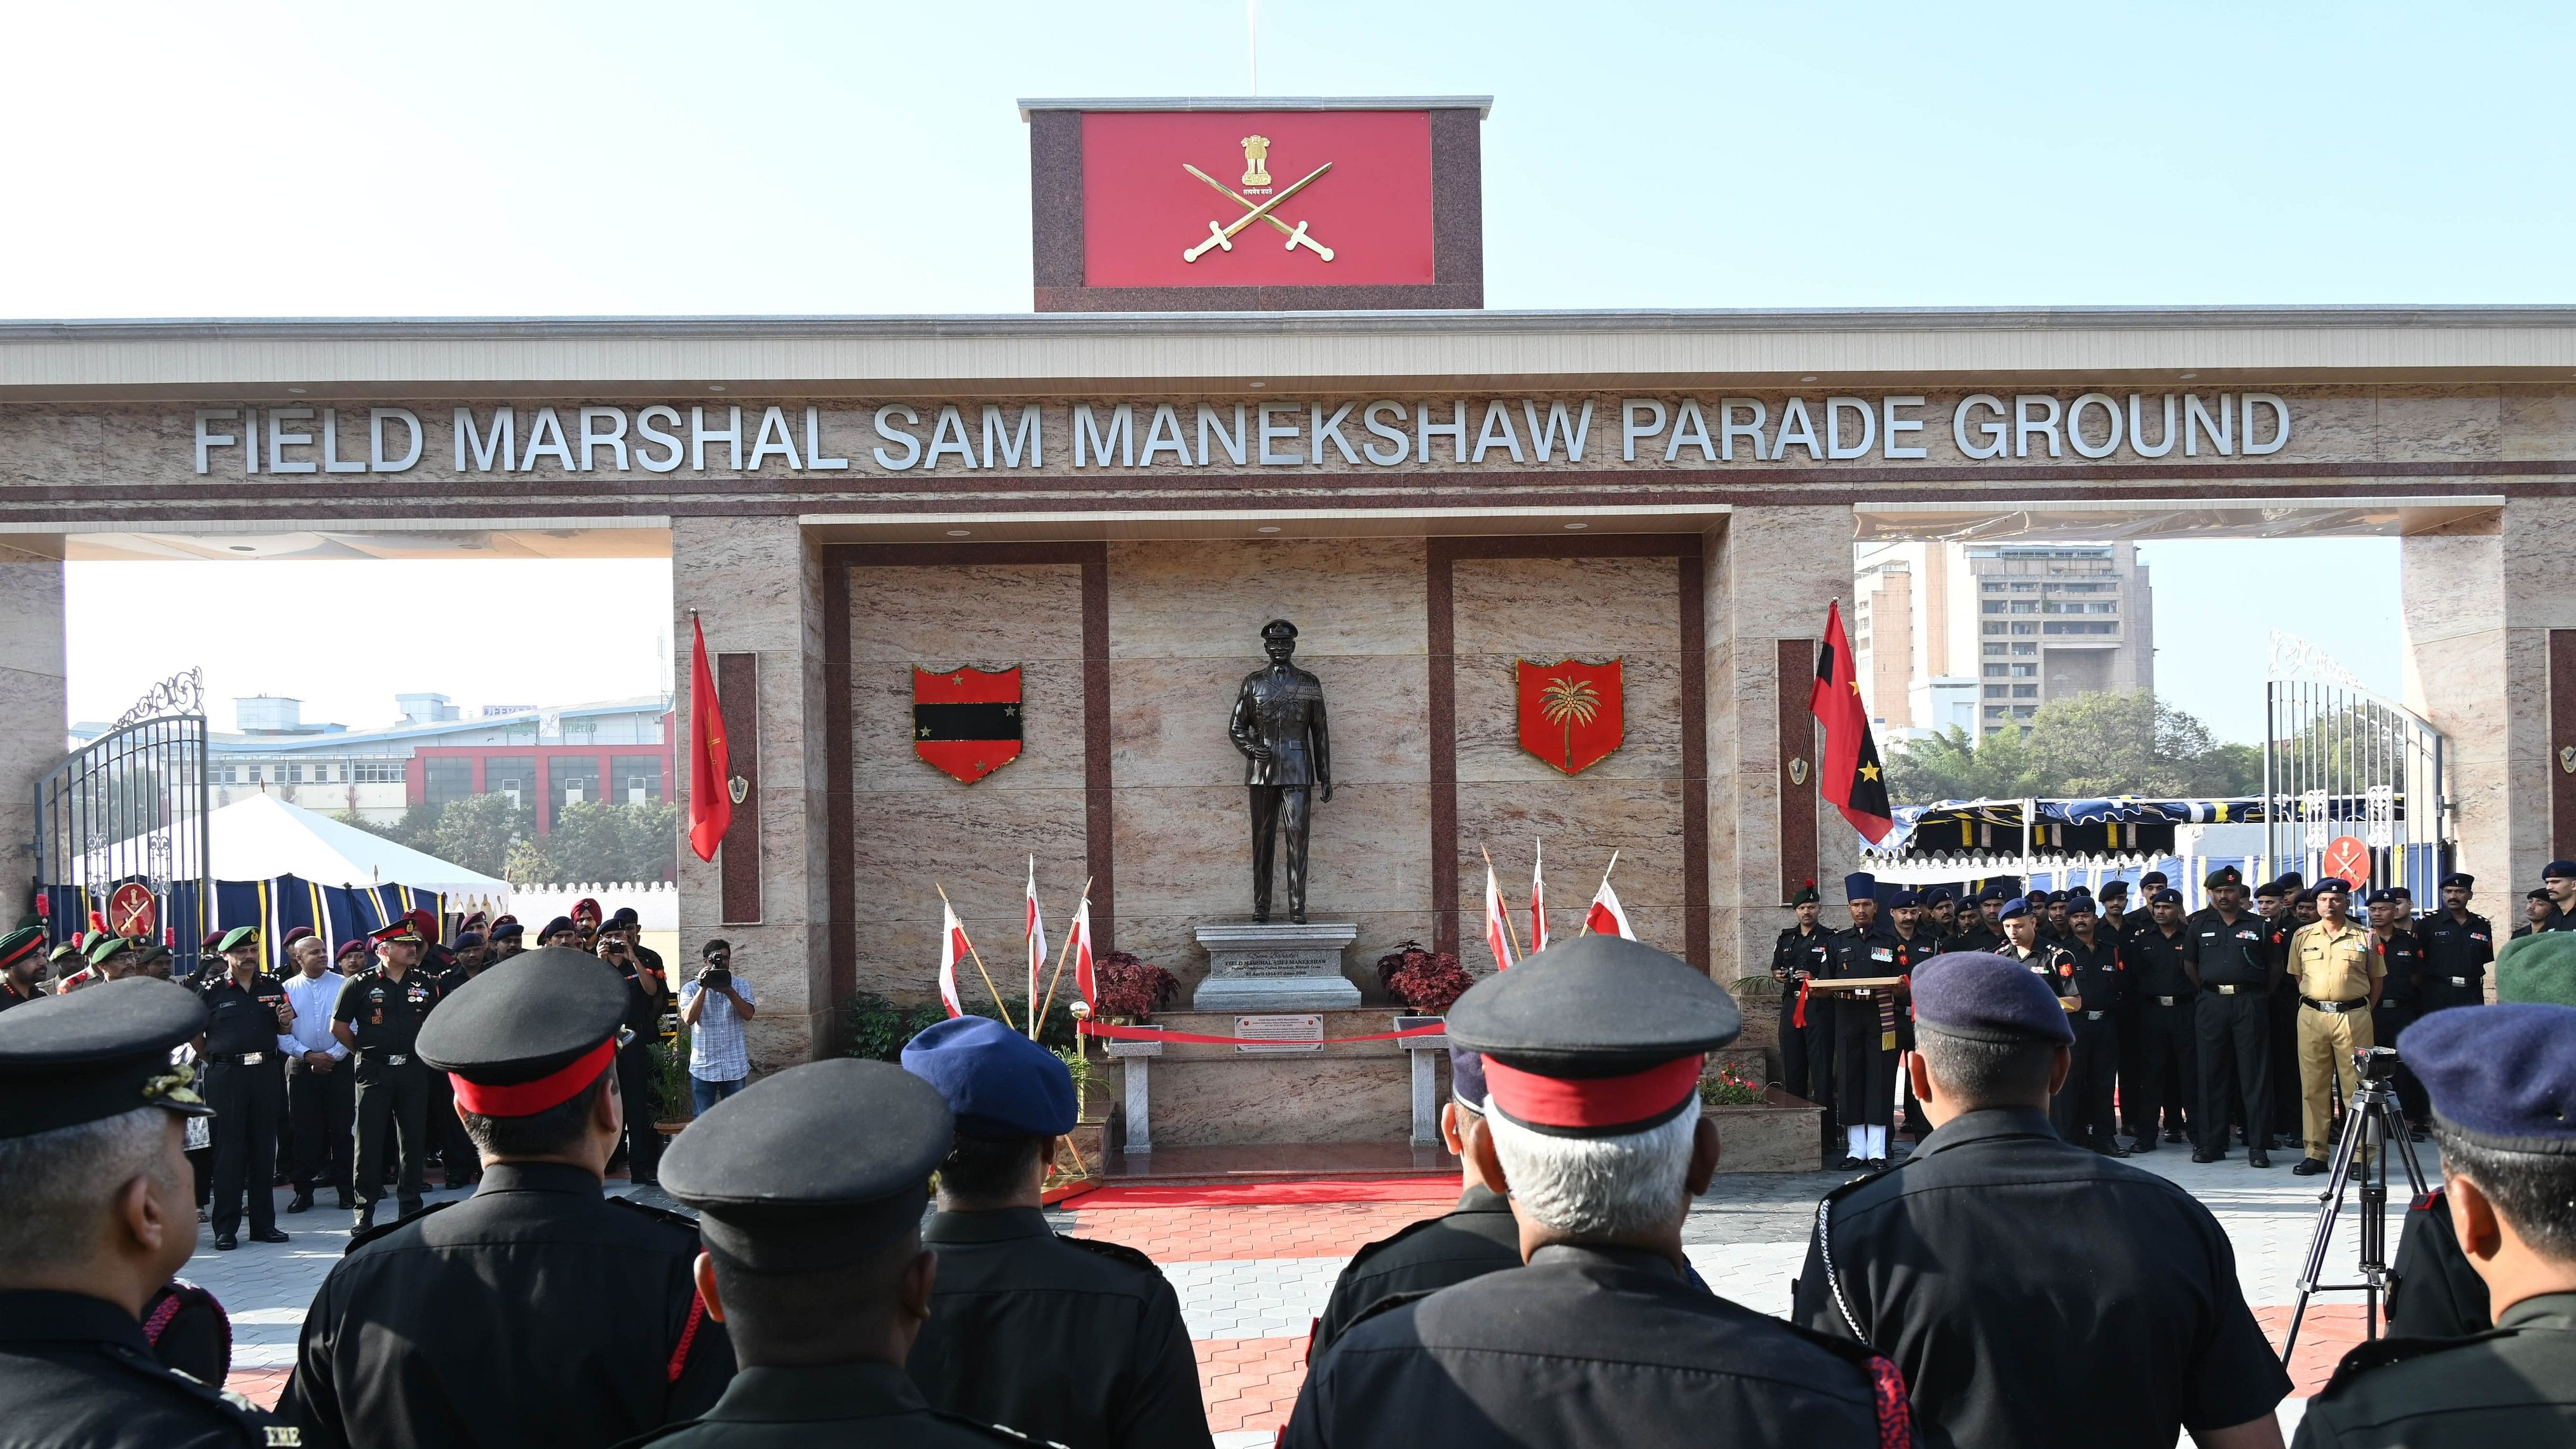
(1851, 776)
(966, 721)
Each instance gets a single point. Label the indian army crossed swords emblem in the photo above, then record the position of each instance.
(1256, 161)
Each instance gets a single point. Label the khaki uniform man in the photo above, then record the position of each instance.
(2340, 978)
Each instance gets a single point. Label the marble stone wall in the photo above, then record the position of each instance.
(1771, 573)
(1184, 629)
(1544, 611)
(2479, 600)
(758, 588)
(34, 693)
(919, 829)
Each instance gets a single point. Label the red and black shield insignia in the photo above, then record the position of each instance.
(1570, 712)
(966, 721)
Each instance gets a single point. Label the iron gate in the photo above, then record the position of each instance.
(131, 807)
(2340, 760)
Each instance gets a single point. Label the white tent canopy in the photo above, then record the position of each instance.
(263, 837)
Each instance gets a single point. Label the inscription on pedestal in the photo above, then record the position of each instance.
(1275, 966)
(1281, 1033)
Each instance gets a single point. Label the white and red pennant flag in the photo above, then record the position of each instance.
(1498, 926)
(1606, 915)
(952, 949)
(1078, 941)
(1036, 944)
(1538, 898)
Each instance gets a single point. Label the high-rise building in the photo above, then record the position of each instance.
(1980, 635)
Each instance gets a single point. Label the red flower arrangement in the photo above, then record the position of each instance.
(1731, 1088)
(1427, 981)
(1131, 986)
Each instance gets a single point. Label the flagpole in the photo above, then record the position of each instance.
(979, 959)
(1513, 936)
(1061, 953)
(1028, 938)
(1596, 895)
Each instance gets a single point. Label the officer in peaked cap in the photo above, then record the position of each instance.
(378, 1018)
(1593, 1050)
(1479, 1236)
(1865, 1023)
(96, 1213)
(2503, 1088)
(2169, 1343)
(810, 1184)
(1800, 954)
(1012, 1293)
(537, 1311)
(2230, 956)
(245, 1050)
(2558, 878)
(2459, 945)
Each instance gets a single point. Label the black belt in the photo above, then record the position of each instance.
(2458, 980)
(390, 1059)
(2168, 1000)
(2095, 1015)
(241, 1059)
(2334, 1008)
(2229, 988)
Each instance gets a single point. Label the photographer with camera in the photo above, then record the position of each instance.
(648, 993)
(713, 1007)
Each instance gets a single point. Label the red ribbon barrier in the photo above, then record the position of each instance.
(1138, 1033)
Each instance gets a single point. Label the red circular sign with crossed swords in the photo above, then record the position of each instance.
(130, 909)
(2348, 858)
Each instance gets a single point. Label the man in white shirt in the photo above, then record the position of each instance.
(320, 1091)
(713, 1007)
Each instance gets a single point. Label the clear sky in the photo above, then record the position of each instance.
(311, 159)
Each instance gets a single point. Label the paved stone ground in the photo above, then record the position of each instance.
(1251, 1278)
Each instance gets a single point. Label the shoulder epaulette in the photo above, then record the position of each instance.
(1390, 1240)
(678, 1220)
(1825, 1242)
(2430, 1200)
(2379, 1353)
(371, 1234)
(1114, 1252)
(1387, 1304)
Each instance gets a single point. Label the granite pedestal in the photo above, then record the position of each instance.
(1275, 966)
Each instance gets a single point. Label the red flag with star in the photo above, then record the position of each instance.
(1850, 774)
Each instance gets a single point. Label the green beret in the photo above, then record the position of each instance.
(2538, 967)
(236, 938)
(107, 946)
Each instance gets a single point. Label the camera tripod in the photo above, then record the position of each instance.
(2372, 1123)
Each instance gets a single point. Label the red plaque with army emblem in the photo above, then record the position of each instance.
(1571, 713)
(1257, 205)
(130, 910)
(966, 721)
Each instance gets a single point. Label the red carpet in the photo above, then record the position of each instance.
(1286, 1191)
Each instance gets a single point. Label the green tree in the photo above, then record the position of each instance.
(598, 841)
(528, 864)
(2087, 746)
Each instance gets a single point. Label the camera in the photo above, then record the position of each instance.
(2377, 1064)
(717, 977)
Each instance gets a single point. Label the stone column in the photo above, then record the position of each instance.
(1771, 572)
(2479, 600)
(34, 696)
(757, 586)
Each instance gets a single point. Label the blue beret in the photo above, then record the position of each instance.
(1467, 1077)
(2559, 870)
(2505, 1077)
(2153, 878)
(2013, 907)
(1994, 893)
(2166, 897)
(2332, 885)
(1860, 885)
(508, 931)
(1937, 895)
(1986, 997)
(2078, 903)
(1903, 898)
(2384, 896)
(998, 1082)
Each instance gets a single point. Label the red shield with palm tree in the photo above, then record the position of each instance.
(1570, 712)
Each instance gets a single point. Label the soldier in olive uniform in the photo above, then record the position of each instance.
(2459, 945)
(1477, 1237)
(1012, 1294)
(1806, 1030)
(1957, 1264)
(1593, 1050)
(1278, 724)
(2503, 1084)
(95, 1215)
(810, 1188)
(539, 1310)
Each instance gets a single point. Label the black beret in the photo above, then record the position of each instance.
(559, 923)
(2225, 875)
(544, 1023)
(1903, 898)
(1594, 1036)
(2165, 897)
(1994, 893)
(2504, 1077)
(2115, 890)
(2080, 904)
(2293, 880)
(2308, 894)
(2460, 878)
(2384, 896)
(2153, 878)
(2559, 870)
(97, 1053)
(2270, 888)
(1938, 895)
(508, 931)
(1985, 997)
(998, 1083)
(2536, 894)
(2333, 885)
(625, 916)
(468, 940)
(815, 1167)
